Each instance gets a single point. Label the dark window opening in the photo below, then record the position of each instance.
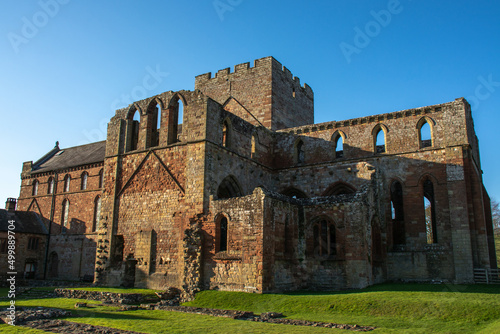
(294, 193)
(339, 188)
(325, 242)
(223, 234)
(229, 188)
(397, 213)
(29, 270)
(226, 134)
(33, 243)
(300, 152)
(134, 129)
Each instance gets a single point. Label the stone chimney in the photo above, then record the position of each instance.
(10, 205)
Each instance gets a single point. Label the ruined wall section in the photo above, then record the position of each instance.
(293, 258)
(151, 194)
(400, 128)
(240, 267)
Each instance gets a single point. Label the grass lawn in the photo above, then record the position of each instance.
(392, 308)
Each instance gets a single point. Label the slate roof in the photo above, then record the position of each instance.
(58, 159)
(25, 222)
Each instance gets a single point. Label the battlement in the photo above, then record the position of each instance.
(261, 64)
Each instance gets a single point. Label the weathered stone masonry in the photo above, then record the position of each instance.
(241, 191)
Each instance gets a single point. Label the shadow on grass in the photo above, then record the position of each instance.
(408, 287)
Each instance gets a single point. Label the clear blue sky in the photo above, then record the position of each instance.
(65, 68)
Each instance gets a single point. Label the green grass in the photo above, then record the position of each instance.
(392, 308)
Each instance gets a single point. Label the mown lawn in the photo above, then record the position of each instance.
(392, 308)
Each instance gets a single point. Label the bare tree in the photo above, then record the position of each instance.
(495, 213)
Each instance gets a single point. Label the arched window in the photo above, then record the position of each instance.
(430, 212)
(34, 191)
(226, 134)
(222, 234)
(380, 141)
(229, 188)
(50, 188)
(67, 180)
(101, 178)
(174, 119)
(299, 152)
(425, 135)
(325, 239)
(97, 213)
(85, 177)
(338, 139)
(397, 213)
(133, 129)
(65, 213)
(339, 188)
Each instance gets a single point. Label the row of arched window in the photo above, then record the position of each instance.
(425, 130)
(96, 216)
(155, 116)
(398, 216)
(66, 183)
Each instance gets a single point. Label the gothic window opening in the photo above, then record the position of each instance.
(156, 125)
(97, 214)
(101, 178)
(254, 143)
(35, 188)
(29, 269)
(339, 188)
(325, 239)
(397, 213)
(380, 141)
(339, 147)
(67, 180)
(134, 130)
(85, 176)
(229, 188)
(299, 152)
(65, 213)
(226, 134)
(294, 193)
(425, 135)
(50, 188)
(430, 212)
(223, 234)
